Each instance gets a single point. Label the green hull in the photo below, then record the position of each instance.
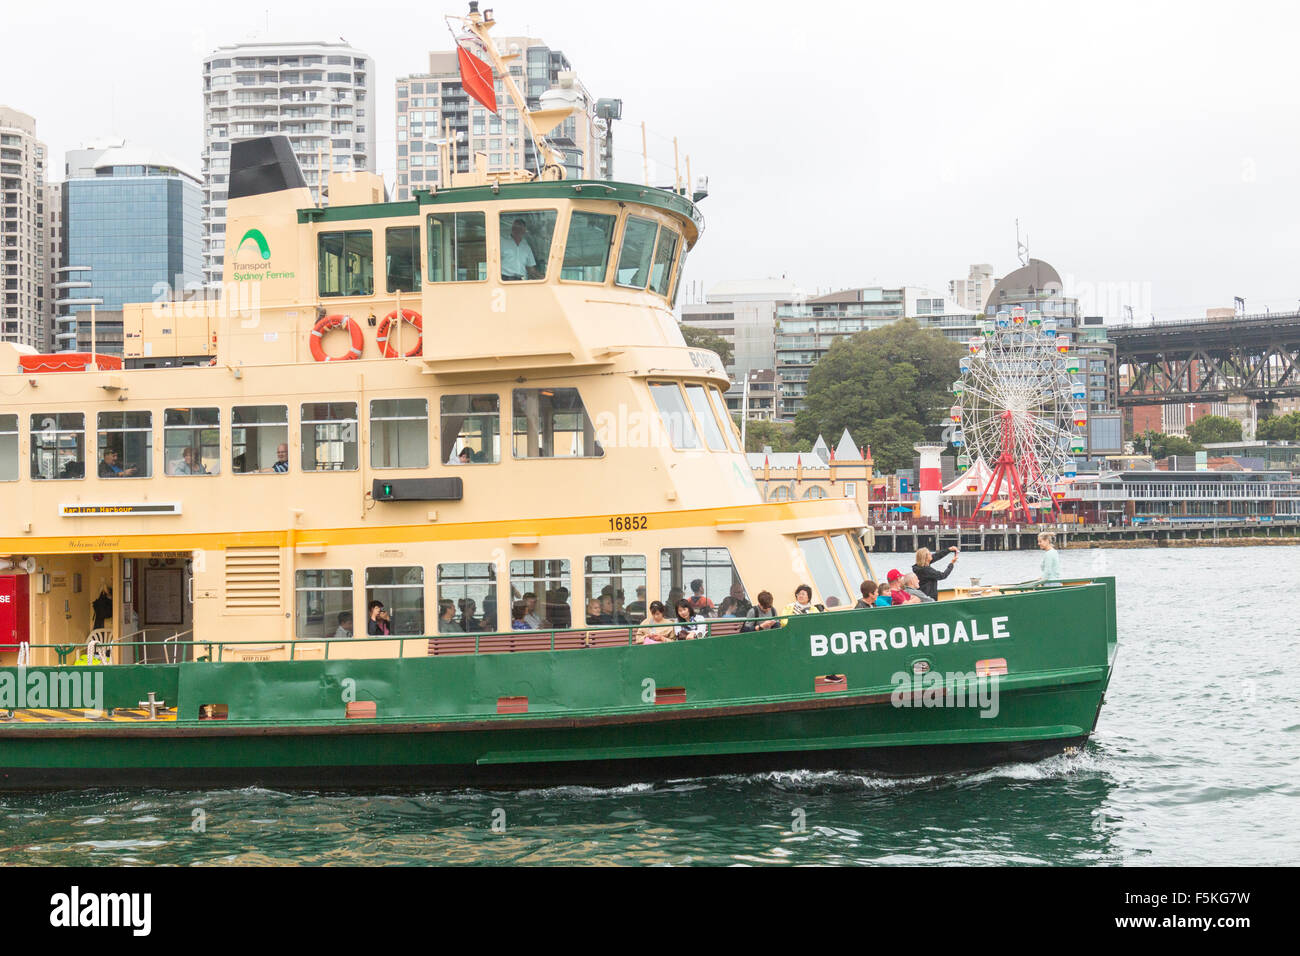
(751, 704)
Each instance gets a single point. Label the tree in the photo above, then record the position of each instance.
(1281, 428)
(1159, 445)
(698, 338)
(777, 435)
(1211, 428)
(889, 387)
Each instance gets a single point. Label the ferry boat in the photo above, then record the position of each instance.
(474, 409)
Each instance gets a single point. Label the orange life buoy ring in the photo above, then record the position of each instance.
(386, 326)
(328, 324)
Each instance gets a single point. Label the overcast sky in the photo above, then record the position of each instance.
(1151, 151)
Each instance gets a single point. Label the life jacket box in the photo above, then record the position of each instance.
(15, 614)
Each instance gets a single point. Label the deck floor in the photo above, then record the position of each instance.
(46, 715)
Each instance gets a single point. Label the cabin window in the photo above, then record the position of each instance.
(637, 252)
(58, 446)
(329, 436)
(848, 563)
(663, 265)
(615, 588)
(192, 441)
(402, 253)
(526, 243)
(543, 588)
(323, 604)
(346, 263)
(399, 433)
(8, 447)
(401, 591)
(817, 556)
(728, 424)
(553, 423)
(675, 415)
(704, 576)
(586, 253)
(471, 429)
(259, 439)
(467, 598)
(457, 247)
(125, 444)
(704, 414)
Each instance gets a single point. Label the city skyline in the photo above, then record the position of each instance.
(1106, 136)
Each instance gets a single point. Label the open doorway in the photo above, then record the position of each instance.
(158, 607)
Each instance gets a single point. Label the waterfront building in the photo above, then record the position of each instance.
(1125, 497)
(27, 300)
(131, 220)
(320, 95)
(1260, 455)
(763, 402)
(432, 106)
(743, 313)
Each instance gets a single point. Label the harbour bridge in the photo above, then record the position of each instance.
(1208, 360)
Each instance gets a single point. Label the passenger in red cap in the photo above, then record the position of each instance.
(897, 593)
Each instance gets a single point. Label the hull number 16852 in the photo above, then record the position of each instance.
(629, 523)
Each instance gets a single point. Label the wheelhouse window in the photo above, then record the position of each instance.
(399, 433)
(58, 445)
(553, 423)
(192, 441)
(615, 588)
(125, 444)
(401, 591)
(8, 447)
(402, 258)
(323, 604)
(675, 415)
(467, 598)
(471, 429)
(345, 263)
(457, 247)
(526, 243)
(637, 252)
(728, 423)
(259, 439)
(662, 270)
(586, 252)
(704, 576)
(817, 556)
(543, 588)
(329, 436)
(848, 562)
(704, 414)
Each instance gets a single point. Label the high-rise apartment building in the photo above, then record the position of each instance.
(973, 292)
(428, 102)
(320, 95)
(131, 221)
(25, 291)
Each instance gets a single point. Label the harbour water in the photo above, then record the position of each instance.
(1196, 761)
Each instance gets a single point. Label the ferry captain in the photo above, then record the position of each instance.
(517, 259)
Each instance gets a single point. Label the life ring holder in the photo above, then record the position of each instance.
(388, 325)
(328, 324)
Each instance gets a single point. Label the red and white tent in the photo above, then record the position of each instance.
(971, 483)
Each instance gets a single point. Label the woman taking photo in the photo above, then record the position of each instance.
(928, 575)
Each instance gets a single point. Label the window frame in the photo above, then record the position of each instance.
(417, 254)
(101, 432)
(609, 246)
(17, 445)
(199, 447)
(347, 235)
(286, 425)
(34, 431)
(299, 589)
(304, 446)
(373, 418)
(597, 447)
(455, 215)
(654, 244)
(541, 263)
(442, 428)
(368, 595)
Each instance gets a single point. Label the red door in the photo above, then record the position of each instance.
(13, 611)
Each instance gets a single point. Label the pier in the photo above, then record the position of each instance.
(898, 537)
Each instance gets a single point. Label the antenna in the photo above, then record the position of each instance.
(1022, 246)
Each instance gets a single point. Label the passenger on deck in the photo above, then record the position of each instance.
(109, 468)
(447, 623)
(593, 611)
(832, 602)
(281, 459)
(700, 602)
(531, 617)
(897, 592)
(637, 608)
(926, 573)
(687, 623)
(345, 625)
(190, 463)
(463, 457)
(468, 608)
(802, 603)
(883, 597)
(378, 623)
(762, 616)
(735, 604)
(868, 598)
(656, 629)
(1051, 567)
(912, 585)
(607, 613)
(518, 618)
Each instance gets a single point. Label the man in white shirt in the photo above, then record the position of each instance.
(517, 260)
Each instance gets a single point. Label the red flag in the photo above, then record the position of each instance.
(476, 77)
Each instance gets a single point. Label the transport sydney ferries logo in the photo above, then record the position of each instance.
(254, 270)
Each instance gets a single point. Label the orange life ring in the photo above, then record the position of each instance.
(387, 325)
(328, 324)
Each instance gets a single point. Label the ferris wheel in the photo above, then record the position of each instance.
(1020, 411)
